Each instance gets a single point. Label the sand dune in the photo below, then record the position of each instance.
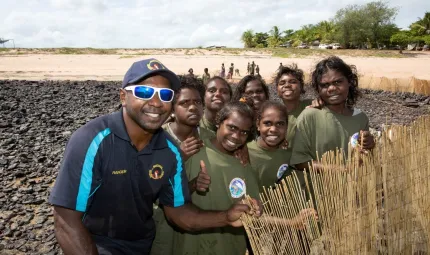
(113, 67)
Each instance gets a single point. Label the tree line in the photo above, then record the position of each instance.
(369, 25)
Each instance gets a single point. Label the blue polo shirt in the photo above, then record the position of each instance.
(103, 175)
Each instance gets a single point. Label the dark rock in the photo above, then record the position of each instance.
(12, 166)
(411, 103)
(18, 173)
(51, 237)
(3, 161)
(34, 201)
(4, 124)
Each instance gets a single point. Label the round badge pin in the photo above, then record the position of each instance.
(237, 188)
(354, 140)
(281, 171)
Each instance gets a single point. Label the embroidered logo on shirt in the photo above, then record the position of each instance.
(354, 140)
(281, 171)
(119, 171)
(237, 188)
(156, 172)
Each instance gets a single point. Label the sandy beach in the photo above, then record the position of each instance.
(113, 67)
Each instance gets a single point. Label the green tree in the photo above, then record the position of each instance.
(326, 31)
(307, 34)
(261, 39)
(359, 24)
(379, 19)
(275, 38)
(287, 35)
(402, 38)
(248, 38)
(422, 26)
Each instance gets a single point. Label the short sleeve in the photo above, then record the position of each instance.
(79, 176)
(367, 125)
(302, 143)
(175, 192)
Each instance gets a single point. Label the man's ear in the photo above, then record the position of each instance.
(122, 97)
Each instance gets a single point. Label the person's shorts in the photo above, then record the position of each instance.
(110, 246)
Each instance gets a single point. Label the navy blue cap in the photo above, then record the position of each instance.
(144, 68)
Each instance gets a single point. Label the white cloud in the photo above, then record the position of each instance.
(165, 23)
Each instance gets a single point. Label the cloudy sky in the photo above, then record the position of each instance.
(166, 23)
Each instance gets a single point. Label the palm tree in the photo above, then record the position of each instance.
(248, 38)
(275, 37)
(326, 30)
(422, 26)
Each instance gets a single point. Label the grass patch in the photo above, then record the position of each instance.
(128, 56)
(77, 51)
(299, 53)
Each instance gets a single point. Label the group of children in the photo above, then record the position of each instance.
(234, 143)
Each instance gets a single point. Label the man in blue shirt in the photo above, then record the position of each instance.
(117, 165)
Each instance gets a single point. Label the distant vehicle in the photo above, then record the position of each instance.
(303, 46)
(397, 47)
(336, 46)
(426, 48)
(325, 46)
(285, 45)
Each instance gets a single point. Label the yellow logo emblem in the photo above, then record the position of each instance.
(156, 172)
(155, 65)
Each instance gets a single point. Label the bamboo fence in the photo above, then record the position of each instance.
(375, 203)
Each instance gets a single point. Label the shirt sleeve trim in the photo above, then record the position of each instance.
(178, 196)
(87, 171)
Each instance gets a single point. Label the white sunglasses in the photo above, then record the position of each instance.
(147, 92)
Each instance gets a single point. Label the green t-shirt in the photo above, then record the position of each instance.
(323, 130)
(207, 129)
(203, 133)
(292, 118)
(269, 166)
(229, 182)
(163, 242)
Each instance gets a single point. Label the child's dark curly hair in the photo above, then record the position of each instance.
(240, 89)
(295, 72)
(188, 82)
(337, 64)
(242, 109)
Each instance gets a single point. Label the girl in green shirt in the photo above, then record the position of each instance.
(218, 92)
(319, 131)
(290, 86)
(229, 182)
(252, 87)
(268, 158)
